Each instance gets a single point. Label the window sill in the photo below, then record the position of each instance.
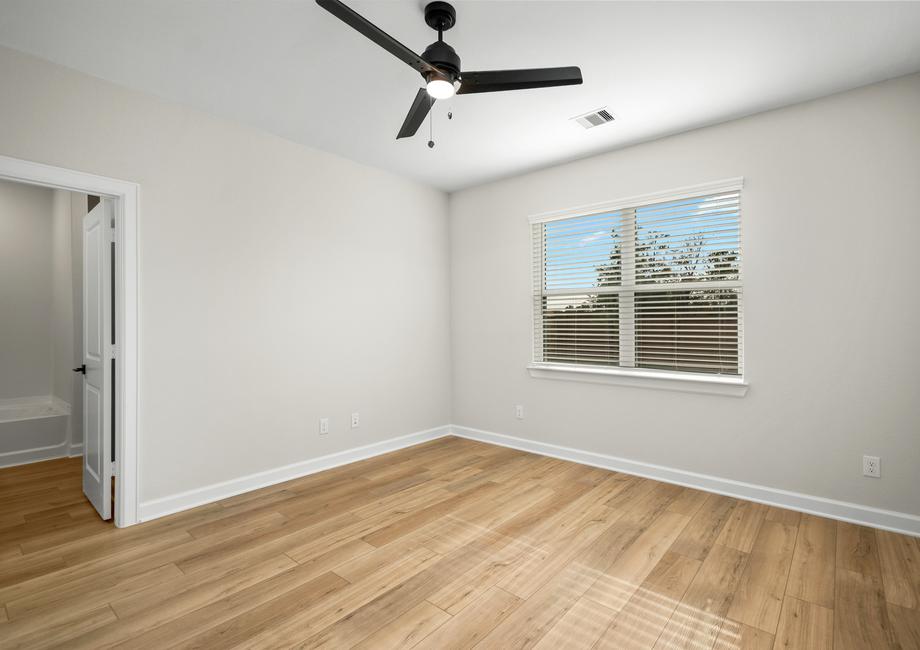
(685, 382)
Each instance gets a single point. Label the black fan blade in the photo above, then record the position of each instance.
(353, 19)
(492, 81)
(420, 107)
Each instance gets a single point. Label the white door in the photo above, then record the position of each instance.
(97, 355)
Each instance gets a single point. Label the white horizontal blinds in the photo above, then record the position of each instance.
(696, 239)
(576, 275)
(581, 328)
(695, 330)
(692, 248)
(656, 286)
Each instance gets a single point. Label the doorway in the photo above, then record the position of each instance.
(111, 398)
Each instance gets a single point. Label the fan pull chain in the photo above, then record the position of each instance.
(430, 123)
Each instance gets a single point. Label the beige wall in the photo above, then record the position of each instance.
(25, 290)
(278, 284)
(831, 220)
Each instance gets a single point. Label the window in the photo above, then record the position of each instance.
(649, 285)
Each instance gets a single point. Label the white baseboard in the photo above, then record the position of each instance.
(885, 519)
(183, 501)
(75, 450)
(26, 456)
(852, 512)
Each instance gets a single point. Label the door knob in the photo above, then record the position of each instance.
(81, 369)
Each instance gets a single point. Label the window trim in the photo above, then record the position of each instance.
(642, 377)
(676, 194)
(687, 382)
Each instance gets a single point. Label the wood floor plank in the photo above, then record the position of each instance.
(188, 591)
(232, 525)
(783, 516)
(534, 617)
(504, 515)
(450, 544)
(580, 627)
(811, 577)
(899, 558)
(506, 557)
(78, 597)
(471, 624)
(698, 618)
(231, 608)
(705, 526)
(548, 560)
(413, 521)
(742, 526)
(639, 624)
(149, 609)
(379, 558)
(261, 618)
(303, 623)
(805, 626)
(17, 569)
(615, 585)
(314, 538)
(857, 549)
(688, 502)
(407, 630)
(738, 636)
(140, 557)
(758, 601)
(59, 632)
(395, 602)
(906, 626)
(860, 612)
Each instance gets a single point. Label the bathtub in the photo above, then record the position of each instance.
(33, 429)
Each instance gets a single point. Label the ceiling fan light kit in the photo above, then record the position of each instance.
(439, 64)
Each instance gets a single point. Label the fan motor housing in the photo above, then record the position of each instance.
(443, 56)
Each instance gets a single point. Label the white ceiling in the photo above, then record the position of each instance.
(290, 68)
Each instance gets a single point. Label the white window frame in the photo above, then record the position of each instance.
(624, 376)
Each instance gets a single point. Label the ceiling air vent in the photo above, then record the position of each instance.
(594, 118)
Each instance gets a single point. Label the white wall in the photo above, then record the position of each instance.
(61, 298)
(831, 219)
(278, 284)
(25, 290)
(77, 212)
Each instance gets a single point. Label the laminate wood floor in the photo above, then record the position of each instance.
(449, 544)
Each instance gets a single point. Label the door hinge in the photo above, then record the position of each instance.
(112, 352)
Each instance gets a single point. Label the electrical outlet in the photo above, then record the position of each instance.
(323, 426)
(872, 466)
(519, 412)
(355, 420)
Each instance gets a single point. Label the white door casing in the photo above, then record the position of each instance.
(126, 198)
(97, 353)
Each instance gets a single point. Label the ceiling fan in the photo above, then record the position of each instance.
(439, 64)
